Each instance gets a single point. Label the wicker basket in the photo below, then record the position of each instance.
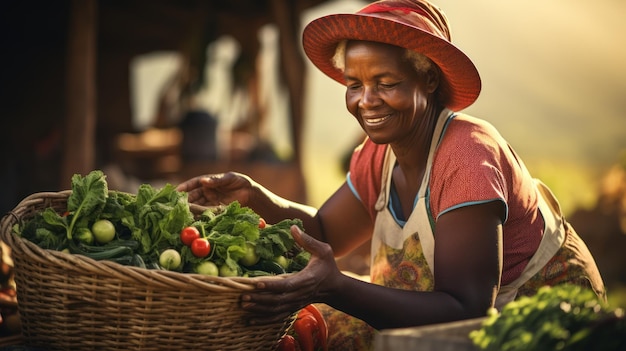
(71, 302)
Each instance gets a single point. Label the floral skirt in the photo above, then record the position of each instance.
(572, 264)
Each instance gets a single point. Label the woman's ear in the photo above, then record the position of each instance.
(432, 79)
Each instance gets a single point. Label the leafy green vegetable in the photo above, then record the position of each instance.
(299, 261)
(564, 317)
(236, 220)
(229, 229)
(86, 202)
(88, 198)
(47, 229)
(158, 217)
(276, 239)
(154, 218)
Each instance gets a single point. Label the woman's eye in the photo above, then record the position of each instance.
(388, 85)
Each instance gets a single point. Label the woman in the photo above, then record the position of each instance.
(457, 223)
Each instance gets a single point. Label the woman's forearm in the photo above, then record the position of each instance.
(384, 307)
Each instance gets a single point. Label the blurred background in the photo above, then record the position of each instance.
(156, 91)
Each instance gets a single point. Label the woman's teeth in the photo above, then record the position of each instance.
(374, 121)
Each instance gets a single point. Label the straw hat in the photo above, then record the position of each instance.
(413, 24)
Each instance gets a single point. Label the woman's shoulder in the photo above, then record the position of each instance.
(467, 136)
(464, 124)
(473, 161)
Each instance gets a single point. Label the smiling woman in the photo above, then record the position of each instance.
(556, 67)
(383, 90)
(434, 189)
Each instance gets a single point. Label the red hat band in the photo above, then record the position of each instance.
(411, 16)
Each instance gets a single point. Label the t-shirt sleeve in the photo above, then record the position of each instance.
(469, 168)
(365, 173)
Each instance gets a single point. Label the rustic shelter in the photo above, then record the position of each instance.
(66, 94)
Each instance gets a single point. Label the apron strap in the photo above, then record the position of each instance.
(551, 242)
(418, 221)
(422, 222)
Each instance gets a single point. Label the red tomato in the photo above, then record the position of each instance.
(200, 247)
(321, 323)
(288, 343)
(189, 234)
(307, 330)
(262, 223)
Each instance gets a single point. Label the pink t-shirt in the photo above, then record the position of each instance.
(472, 164)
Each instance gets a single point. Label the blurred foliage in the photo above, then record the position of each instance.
(575, 185)
(617, 296)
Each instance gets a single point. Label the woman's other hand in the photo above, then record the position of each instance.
(218, 189)
(276, 299)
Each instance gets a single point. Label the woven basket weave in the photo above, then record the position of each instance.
(72, 302)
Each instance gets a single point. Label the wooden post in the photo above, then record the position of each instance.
(80, 120)
(293, 66)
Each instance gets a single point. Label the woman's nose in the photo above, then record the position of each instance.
(369, 98)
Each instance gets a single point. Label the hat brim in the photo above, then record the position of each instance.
(460, 85)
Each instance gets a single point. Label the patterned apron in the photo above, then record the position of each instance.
(409, 264)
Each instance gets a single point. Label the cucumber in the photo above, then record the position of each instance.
(137, 261)
(257, 273)
(126, 260)
(268, 266)
(154, 265)
(114, 252)
(132, 244)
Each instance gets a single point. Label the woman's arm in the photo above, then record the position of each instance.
(345, 222)
(341, 221)
(467, 261)
(467, 273)
(224, 188)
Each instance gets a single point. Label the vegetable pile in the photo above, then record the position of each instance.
(564, 317)
(156, 229)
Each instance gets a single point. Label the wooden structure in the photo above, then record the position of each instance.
(67, 93)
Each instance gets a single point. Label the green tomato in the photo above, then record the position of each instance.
(170, 259)
(207, 268)
(282, 261)
(250, 257)
(103, 231)
(226, 271)
(85, 236)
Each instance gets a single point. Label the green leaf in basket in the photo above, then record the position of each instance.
(299, 261)
(87, 200)
(230, 228)
(115, 206)
(276, 239)
(158, 217)
(236, 220)
(46, 229)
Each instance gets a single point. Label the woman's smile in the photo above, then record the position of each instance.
(375, 121)
(385, 92)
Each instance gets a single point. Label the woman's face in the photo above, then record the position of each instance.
(385, 93)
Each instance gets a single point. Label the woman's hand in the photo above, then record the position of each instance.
(276, 299)
(218, 189)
